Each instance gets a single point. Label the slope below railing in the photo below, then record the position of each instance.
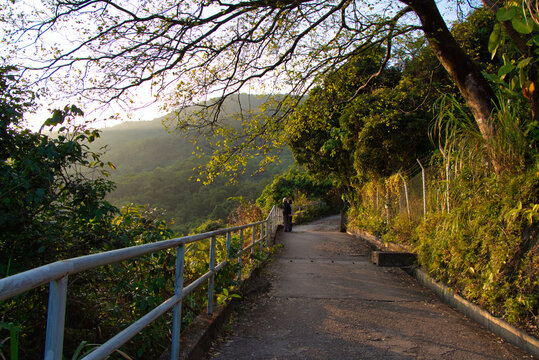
(56, 274)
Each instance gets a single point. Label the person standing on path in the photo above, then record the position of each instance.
(287, 211)
(290, 215)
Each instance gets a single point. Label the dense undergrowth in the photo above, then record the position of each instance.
(103, 301)
(53, 207)
(480, 233)
(485, 248)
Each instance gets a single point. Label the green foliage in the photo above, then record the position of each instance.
(51, 189)
(166, 175)
(296, 185)
(486, 247)
(209, 225)
(483, 240)
(518, 50)
(12, 340)
(473, 34)
(513, 146)
(480, 234)
(363, 218)
(226, 297)
(52, 204)
(244, 213)
(480, 237)
(249, 132)
(485, 243)
(351, 133)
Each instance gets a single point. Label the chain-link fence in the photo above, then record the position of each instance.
(409, 194)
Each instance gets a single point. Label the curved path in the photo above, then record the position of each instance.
(327, 301)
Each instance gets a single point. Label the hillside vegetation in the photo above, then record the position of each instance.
(161, 168)
(55, 203)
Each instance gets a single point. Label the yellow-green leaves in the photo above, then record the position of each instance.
(521, 22)
(496, 39)
(518, 62)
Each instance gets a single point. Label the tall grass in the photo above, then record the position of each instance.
(484, 244)
(461, 144)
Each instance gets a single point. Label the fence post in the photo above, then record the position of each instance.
(177, 316)
(261, 239)
(406, 195)
(387, 206)
(272, 218)
(447, 185)
(56, 319)
(240, 256)
(212, 277)
(267, 233)
(424, 189)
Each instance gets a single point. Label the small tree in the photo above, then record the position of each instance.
(51, 187)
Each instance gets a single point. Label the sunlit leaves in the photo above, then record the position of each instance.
(495, 39)
(518, 67)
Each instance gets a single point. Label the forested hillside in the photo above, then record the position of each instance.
(156, 166)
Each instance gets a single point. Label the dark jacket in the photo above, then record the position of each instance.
(287, 209)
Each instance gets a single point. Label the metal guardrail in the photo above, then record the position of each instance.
(56, 274)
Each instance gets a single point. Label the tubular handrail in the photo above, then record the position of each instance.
(57, 273)
(24, 281)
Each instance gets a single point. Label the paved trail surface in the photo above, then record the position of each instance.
(327, 301)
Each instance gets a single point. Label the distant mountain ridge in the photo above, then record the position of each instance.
(127, 142)
(158, 168)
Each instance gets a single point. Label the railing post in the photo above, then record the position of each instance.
(241, 238)
(261, 239)
(267, 223)
(212, 277)
(253, 238)
(177, 316)
(240, 255)
(56, 319)
(272, 219)
(239, 267)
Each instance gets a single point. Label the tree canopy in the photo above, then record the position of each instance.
(383, 130)
(179, 52)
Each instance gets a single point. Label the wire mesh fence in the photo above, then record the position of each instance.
(409, 194)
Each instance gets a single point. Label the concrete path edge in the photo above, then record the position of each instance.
(498, 326)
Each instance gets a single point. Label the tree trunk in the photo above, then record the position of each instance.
(473, 86)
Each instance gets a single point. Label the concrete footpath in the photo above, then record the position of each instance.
(328, 301)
